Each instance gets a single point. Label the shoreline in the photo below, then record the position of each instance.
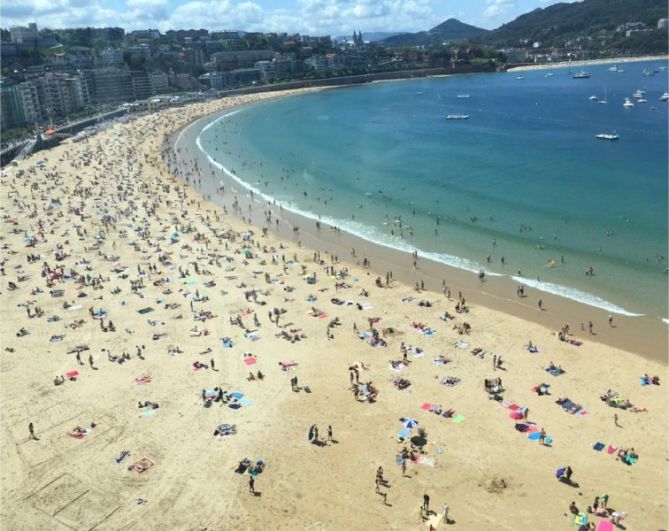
(589, 62)
(645, 335)
(111, 208)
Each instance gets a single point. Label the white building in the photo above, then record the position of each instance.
(159, 82)
(267, 70)
(111, 56)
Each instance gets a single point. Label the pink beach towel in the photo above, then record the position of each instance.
(426, 406)
(612, 449)
(72, 374)
(250, 361)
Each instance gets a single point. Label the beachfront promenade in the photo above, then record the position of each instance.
(154, 342)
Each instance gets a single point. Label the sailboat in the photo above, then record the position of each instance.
(604, 101)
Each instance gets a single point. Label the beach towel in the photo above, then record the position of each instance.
(145, 310)
(250, 361)
(149, 413)
(534, 436)
(598, 446)
(253, 336)
(226, 342)
(426, 460)
(404, 434)
(245, 402)
(426, 406)
(71, 375)
(142, 380)
(516, 415)
(605, 525)
(461, 344)
(611, 449)
(643, 380)
(142, 465)
(575, 342)
(458, 419)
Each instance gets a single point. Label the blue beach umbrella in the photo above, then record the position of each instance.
(560, 472)
(410, 423)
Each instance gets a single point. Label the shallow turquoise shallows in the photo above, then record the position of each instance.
(523, 178)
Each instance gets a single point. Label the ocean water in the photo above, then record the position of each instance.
(521, 188)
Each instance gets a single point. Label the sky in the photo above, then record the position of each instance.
(309, 17)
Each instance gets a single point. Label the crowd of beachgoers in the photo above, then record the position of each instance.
(167, 364)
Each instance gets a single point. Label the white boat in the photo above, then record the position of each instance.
(642, 100)
(593, 98)
(628, 103)
(581, 75)
(608, 136)
(614, 68)
(639, 94)
(463, 95)
(520, 77)
(664, 97)
(419, 93)
(604, 101)
(549, 74)
(457, 116)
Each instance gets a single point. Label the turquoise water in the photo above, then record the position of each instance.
(523, 178)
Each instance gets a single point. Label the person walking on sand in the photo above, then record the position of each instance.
(540, 304)
(615, 420)
(426, 504)
(252, 483)
(31, 429)
(542, 436)
(445, 513)
(329, 434)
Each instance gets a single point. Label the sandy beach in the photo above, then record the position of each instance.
(138, 291)
(576, 64)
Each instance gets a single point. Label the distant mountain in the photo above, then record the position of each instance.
(560, 22)
(371, 36)
(449, 30)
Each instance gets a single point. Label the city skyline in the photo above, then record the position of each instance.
(333, 17)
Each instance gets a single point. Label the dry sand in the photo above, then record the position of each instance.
(59, 482)
(589, 62)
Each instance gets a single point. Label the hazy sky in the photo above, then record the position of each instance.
(311, 17)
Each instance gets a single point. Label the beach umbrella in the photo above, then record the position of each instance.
(560, 472)
(410, 423)
(312, 433)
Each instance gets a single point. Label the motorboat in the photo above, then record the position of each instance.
(581, 75)
(457, 116)
(593, 98)
(639, 94)
(628, 103)
(608, 136)
(664, 97)
(462, 96)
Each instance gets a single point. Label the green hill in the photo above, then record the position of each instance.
(448, 31)
(558, 23)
